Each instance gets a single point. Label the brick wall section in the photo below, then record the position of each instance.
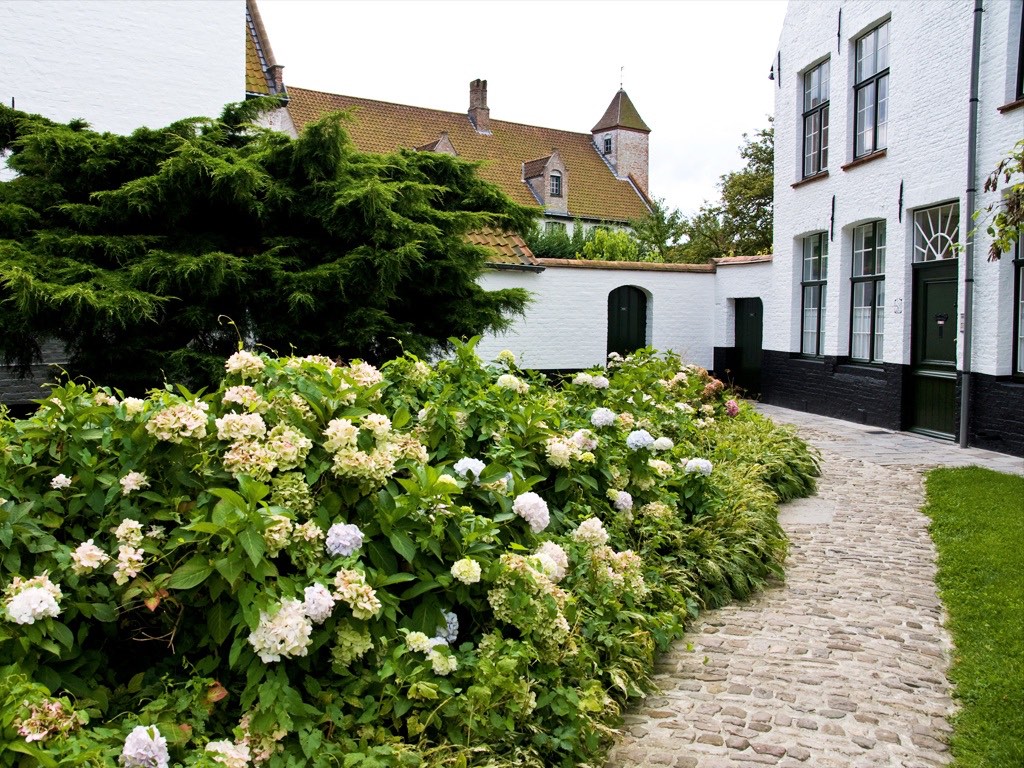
(997, 421)
(864, 395)
(630, 150)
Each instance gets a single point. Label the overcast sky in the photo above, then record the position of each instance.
(697, 70)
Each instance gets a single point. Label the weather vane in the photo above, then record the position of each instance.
(621, 70)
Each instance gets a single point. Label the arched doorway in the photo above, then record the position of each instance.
(627, 319)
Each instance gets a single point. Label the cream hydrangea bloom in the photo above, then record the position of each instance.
(466, 570)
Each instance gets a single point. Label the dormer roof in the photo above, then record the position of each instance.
(262, 72)
(621, 114)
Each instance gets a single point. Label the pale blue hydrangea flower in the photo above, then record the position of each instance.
(343, 539)
(638, 439)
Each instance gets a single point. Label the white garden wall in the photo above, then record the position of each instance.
(566, 326)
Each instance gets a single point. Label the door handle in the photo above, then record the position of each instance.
(940, 320)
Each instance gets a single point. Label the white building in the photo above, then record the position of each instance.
(872, 314)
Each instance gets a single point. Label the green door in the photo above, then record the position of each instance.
(627, 320)
(933, 338)
(749, 324)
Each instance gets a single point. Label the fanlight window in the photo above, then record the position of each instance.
(936, 232)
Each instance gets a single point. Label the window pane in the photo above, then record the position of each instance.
(936, 232)
(809, 344)
(883, 111)
(879, 317)
(879, 247)
(823, 162)
(860, 336)
(865, 57)
(882, 47)
(824, 80)
(865, 126)
(859, 235)
(812, 145)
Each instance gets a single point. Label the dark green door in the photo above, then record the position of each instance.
(627, 320)
(749, 323)
(933, 338)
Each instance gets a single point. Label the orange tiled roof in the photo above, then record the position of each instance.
(379, 126)
(505, 248)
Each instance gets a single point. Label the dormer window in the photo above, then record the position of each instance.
(607, 145)
(556, 184)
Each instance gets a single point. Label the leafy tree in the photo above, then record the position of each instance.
(555, 242)
(1006, 216)
(610, 245)
(150, 255)
(659, 232)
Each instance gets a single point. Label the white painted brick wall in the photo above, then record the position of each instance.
(567, 324)
(930, 43)
(122, 64)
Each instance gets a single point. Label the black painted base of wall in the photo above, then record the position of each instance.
(877, 396)
(997, 414)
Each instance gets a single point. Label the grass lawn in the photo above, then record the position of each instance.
(978, 526)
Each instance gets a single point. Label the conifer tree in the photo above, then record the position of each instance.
(150, 255)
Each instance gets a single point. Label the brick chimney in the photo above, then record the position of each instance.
(479, 114)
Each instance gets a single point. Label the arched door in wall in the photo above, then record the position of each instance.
(627, 319)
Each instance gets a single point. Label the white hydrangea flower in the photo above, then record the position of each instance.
(663, 444)
(378, 424)
(353, 590)
(584, 439)
(133, 406)
(245, 364)
(286, 632)
(33, 600)
(449, 633)
(418, 641)
(129, 532)
(508, 381)
(447, 484)
(340, 433)
(288, 446)
(179, 422)
(603, 417)
(365, 374)
(443, 663)
(686, 408)
(466, 465)
(133, 481)
(245, 396)
(318, 603)
(466, 570)
(591, 531)
(553, 559)
(583, 379)
(145, 748)
(230, 754)
(60, 482)
(533, 509)
(130, 561)
(240, 426)
(600, 382)
(506, 357)
(561, 451)
(639, 439)
(343, 539)
(87, 557)
(698, 466)
(663, 468)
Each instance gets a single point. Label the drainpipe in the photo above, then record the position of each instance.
(972, 192)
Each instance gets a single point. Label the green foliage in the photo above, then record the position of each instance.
(659, 232)
(150, 255)
(592, 543)
(978, 530)
(1006, 216)
(556, 242)
(611, 245)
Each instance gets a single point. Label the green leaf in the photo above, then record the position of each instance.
(403, 545)
(253, 544)
(191, 574)
(61, 634)
(218, 621)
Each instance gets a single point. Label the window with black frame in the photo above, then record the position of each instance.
(816, 87)
(556, 184)
(812, 290)
(868, 283)
(871, 91)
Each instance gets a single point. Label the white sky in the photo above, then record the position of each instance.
(697, 70)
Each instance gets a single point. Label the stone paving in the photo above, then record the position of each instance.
(843, 665)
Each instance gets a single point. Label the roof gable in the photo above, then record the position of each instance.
(621, 114)
(262, 72)
(379, 126)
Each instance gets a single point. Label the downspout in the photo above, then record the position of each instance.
(972, 192)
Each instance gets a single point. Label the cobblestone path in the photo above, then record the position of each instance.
(843, 665)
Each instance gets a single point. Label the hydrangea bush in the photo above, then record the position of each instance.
(321, 564)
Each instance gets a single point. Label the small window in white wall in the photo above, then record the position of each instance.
(868, 282)
(812, 294)
(556, 184)
(936, 232)
(607, 145)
